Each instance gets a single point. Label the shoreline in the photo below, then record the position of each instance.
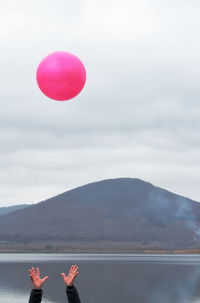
(103, 251)
(100, 247)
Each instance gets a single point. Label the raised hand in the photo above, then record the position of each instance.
(69, 279)
(34, 274)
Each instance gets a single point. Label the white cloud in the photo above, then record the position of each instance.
(138, 114)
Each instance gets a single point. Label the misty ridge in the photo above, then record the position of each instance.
(9, 209)
(123, 213)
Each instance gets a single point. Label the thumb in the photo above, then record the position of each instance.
(63, 275)
(44, 279)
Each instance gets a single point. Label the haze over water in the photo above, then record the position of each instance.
(105, 278)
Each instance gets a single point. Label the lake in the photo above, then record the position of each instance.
(104, 278)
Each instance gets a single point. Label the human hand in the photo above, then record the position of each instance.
(69, 279)
(34, 274)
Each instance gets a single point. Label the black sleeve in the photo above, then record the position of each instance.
(35, 296)
(72, 294)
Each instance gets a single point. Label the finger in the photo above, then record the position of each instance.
(38, 271)
(63, 275)
(71, 268)
(33, 270)
(76, 274)
(30, 274)
(75, 267)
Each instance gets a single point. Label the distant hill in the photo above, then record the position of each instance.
(8, 209)
(116, 211)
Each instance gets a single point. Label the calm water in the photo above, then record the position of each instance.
(105, 278)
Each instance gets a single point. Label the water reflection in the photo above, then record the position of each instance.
(16, 297)
(127, 280)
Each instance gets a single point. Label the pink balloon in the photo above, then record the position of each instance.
(61, 76)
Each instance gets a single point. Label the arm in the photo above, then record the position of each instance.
(37, 282)
(71, 291)
(72, 294)
(35, 296)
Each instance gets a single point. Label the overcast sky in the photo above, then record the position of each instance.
(138, 115)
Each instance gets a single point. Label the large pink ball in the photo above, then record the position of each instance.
(61, 76)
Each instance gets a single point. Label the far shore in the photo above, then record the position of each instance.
(101, 251)
(98, 247)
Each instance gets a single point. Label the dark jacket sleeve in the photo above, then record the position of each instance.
(35, 296)
(72, 294)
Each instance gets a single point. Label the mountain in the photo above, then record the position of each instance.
(8, 209)
(120, 212)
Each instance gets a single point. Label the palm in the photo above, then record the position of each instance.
(69, 279)
(35, 277)
(37, 282)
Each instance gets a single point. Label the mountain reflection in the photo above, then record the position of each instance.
(107, 281)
